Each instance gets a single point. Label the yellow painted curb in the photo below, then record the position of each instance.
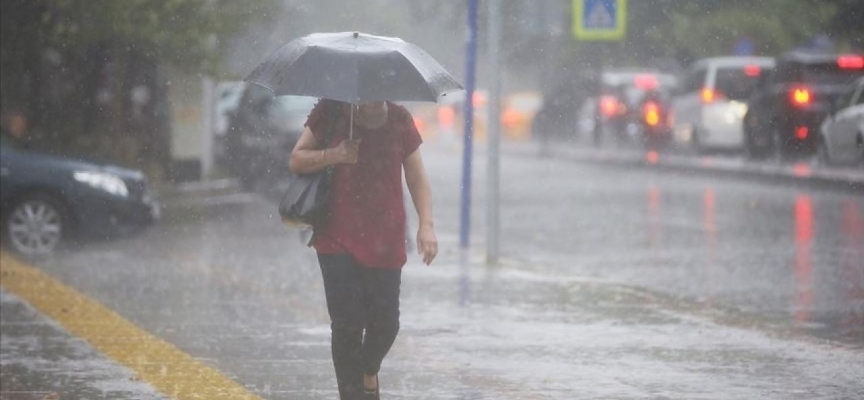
(154, 361)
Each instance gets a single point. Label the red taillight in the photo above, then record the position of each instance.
(752, 70)
(446, 116)
(510, 118)
(645, 82)
(651, 113)
(850, 61)
(801, 132)
(610, 106)
(479, 100)
(800, 96)
(709, 95)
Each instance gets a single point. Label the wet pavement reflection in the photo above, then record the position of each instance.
(821, 268)
(803, 260)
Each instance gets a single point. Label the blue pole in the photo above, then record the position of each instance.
(470, 67)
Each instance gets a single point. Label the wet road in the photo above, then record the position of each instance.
(617, 283)
(795, 254)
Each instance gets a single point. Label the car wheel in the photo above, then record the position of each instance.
(822, 152)
(749, 147)
(859, 141)
(778, 149)
(758, 148)
(35, 225)
(696, 142)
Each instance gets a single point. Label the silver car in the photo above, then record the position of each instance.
(710, 107)
(842, 132)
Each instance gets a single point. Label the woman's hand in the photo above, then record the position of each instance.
(308, 156)
(347, 152)
(427, 243)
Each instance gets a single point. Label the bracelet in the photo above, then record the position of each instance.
(323, 154)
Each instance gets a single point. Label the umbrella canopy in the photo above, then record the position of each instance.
(354, 68)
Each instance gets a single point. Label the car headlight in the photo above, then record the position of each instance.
(102, 181)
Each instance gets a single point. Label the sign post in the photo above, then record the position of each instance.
(470, 66)
(493, 214)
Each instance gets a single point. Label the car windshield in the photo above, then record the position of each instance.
(737, 83)
(289, 112)
(293, 104)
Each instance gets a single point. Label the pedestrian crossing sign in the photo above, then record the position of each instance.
(599, 19)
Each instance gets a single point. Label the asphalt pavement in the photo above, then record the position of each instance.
(617, 282)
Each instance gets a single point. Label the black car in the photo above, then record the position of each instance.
(632, 105)
(45, 199)
(789, 104)
(262, 132)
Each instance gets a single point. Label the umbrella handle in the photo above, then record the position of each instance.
(351, 127)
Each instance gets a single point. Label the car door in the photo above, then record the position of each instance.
(10, 172)
(843, 127)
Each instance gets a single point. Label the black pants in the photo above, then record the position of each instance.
(364, 312)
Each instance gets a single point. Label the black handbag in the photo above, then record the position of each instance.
(306, 200)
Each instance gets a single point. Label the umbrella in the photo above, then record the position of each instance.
(354, 68)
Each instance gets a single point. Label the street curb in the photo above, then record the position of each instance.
(796, 173)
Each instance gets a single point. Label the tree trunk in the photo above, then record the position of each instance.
(122, 146)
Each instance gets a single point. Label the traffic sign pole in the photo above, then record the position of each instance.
(470, 67)
(493, 217)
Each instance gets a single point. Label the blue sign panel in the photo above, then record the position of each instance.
(599, 19)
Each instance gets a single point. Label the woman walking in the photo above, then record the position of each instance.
(361, 245)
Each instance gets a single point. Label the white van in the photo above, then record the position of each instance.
(712, 101)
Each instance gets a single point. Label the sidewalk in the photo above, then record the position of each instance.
(472, 332)
(39, 360)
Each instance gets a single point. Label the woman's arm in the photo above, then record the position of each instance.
(421, 195)
(308, 156)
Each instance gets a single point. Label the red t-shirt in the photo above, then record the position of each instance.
(367, 212)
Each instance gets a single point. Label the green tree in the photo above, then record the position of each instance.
(77, 67)
(700, 29)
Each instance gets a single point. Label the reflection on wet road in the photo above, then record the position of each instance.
(803, 259)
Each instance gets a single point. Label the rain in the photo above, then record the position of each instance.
(541, 199)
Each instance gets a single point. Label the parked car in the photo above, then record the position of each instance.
(227, 95)
(262, 132)
(45, 199)
(786, 110)
(842, 131)
(630, 105)
(708, 111)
